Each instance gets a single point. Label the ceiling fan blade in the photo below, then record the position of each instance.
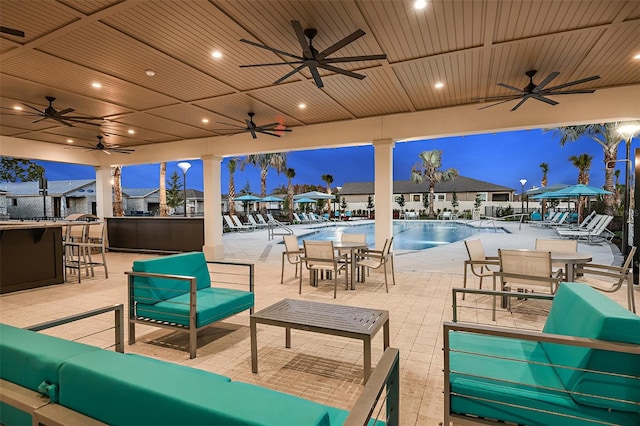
(302, 39)
(498, 103)
(33, 108)
(340, 44)
(82, 122)
(496, 98)
(268, 133)
(341, 71)
(569, 92)
(105, 151)
(543, 99)
(289, 74)
(519, 104)
(515, 89)
(229, 124)
(81, 117)
(264, 126)
(122, 150)
(11, 31)
(268, 65)
(65, 111)
(262, 46)
(253, 133)
(573, 83)
(353, 59)
(38, 120)
(316, 76)
(546, 81)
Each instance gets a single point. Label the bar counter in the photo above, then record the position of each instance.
(156, 234)
(30, 255)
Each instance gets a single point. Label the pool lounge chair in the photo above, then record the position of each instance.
(231, 225)
(253, 222)
(598, 233)
(241, 225)
(550, 219)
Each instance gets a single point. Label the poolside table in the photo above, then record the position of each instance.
(336, 320)
(570, 260)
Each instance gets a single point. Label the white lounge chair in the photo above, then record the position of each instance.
(253, 222)
(242, 226)
(598, 233)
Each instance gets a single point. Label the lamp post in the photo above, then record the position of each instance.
(523, 183)
(627, 131)
(184, 166)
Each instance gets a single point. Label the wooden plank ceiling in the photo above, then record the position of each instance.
(468, 46)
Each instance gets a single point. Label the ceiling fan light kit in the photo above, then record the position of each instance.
(312, 59)
(539, 91)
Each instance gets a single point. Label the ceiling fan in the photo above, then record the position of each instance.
(107, 149)
(267, 129)
(60, 116)
(539, 91)
(11, 31)
(313, 59)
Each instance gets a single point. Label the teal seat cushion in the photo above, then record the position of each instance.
(125, 390)
(511, 390)
(11, 416)
(28, 358)
(579, 310)
(150, 290)
(213, 304)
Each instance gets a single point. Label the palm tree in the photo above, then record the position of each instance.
(609, 138)
(583, 163)
(545, 170)
(164, 209)
(233, 163)
(117, 192)
(290, 174)
(275, 160)
(328, 180)
(429, 168)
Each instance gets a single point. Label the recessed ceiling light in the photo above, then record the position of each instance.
(96, 85)
(419, 4)
(637, 56)
(216, 54)
(439, 85)
(131, 131)
(302, 106)
(150, 72)
(205, 120)
(17, 108)
(69, 140)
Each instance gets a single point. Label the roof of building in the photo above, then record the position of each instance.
(54, 187)
(459, 184)
(139, 192)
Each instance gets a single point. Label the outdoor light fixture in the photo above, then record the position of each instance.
(627, 131)
(184, 166)
(523, 182)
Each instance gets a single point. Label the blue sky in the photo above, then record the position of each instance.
(502, 158)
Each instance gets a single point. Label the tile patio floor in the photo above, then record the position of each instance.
(322, 368)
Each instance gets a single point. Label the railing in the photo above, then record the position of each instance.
(275, 225)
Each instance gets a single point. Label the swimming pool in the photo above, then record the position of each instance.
(408, 235)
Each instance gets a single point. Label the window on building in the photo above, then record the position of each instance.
(440, 197)
(416, 197)
(482, 196)
(500, 197)
(14, 202)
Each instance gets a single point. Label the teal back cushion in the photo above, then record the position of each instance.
(28, 358)
(579, 310)
(151, 392)
(152, 290)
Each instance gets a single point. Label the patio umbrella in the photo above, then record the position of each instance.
(577, 191)
(247, 197)
(314, 195)
(271, 199)
(304, 200)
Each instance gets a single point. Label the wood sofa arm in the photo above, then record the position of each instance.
(385, 375)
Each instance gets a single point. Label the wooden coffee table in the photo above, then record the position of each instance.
(326, 318)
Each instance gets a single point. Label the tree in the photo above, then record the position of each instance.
(290, 174)
(429, 168)
(609, 138)
(17, 169)
(400, 200)
(175, 196)
(328, 179)
(545, 170)
(370, 205)
(343, 204)
(477, 203)
(454, 201)
(164, 209)
(118, 210)
(425, 200)
(232, 165)
(583, 163)
(275, 160)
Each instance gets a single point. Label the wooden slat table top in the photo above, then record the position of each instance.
(350, 319)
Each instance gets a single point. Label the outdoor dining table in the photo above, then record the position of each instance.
(352, 247)
(570, 260)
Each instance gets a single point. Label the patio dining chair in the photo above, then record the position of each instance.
(609, 278)
(557, 246)
(525, 270)
(320, 256)
(479, 262)
(374, 259)
(292, 253)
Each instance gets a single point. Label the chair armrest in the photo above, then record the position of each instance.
(595, 266)
(482, 262)
(526, 277)
(249, 266)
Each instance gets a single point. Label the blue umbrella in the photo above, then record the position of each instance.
(247, 197)
(304, 200)
(579, 190)
(271, 199)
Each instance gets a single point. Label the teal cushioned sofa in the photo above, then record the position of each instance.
(125, 389)
(584, 368)
(176, 291)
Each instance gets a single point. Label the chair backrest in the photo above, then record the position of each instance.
(558, 246)
(561, 219)
(531, 263)
(475, 250)
(587, 219)
(97, 231)
(387, 246)
(291, 243)
(261, 219)
(321, 252)
(229, 222)
(353, 238)
(602, 225)
(252, 220)
(237, 221)
(76, 231)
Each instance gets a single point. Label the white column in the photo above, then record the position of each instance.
(383, 186)
(104, 194)
(213, 247)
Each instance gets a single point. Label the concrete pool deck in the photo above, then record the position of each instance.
(325, 369)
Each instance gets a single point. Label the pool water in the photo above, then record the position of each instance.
(407, 235)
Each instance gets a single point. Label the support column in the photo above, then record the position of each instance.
(213, 247)
(104, 192)
(383, 186)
